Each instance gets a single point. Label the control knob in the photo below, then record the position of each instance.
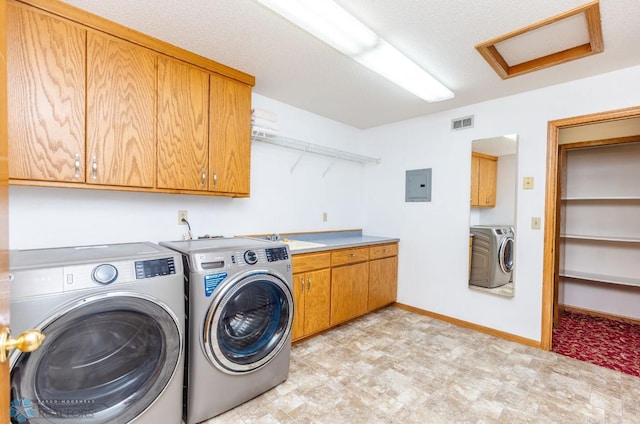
(104, 274)
(250, 257)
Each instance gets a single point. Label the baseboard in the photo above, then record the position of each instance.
(472, 326)
(599, 314)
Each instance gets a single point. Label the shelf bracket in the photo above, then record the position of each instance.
(328, 167)
(298, 160)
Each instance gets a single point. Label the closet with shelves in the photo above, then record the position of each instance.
(600, 225)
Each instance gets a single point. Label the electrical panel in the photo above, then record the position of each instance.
(418, 185)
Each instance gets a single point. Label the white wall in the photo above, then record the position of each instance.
(434, 236)
(280, 201)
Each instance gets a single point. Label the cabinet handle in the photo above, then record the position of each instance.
(309, 284)
(385, 250)
(204, 178)
(215, 178)
(94, 168)
(352, 255)
(77, 166)
(302, 282)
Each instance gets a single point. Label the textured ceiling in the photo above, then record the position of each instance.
(292, 66)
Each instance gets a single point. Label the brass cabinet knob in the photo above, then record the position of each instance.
(28, 341)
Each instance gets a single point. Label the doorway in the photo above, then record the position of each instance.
(551, 260)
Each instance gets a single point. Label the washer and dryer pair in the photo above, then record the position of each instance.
(115, 334)
(492, 255)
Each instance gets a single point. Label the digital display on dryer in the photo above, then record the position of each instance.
(155, 268)
(276, 254)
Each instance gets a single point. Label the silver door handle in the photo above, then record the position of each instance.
(302, 282)
(309, 285)
(77, 166)
(204, 178)
(94, 168)
(215, 178)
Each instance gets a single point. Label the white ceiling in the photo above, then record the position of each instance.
(292, 66)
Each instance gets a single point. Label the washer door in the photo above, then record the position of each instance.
(104, 360)
(249, 322)
(505, 255)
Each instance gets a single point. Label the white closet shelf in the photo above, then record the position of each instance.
(600, 278)
(601, 238)
(306, 147)
(599, 198)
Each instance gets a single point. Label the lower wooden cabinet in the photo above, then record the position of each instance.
(383, 282)
(311, 293)
(330, 288)
(312, 300)
(349, 292)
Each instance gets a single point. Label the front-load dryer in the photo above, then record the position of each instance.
(491, 255)
(239, 321)
(113, 320)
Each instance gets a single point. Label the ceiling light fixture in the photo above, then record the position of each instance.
(336, 27)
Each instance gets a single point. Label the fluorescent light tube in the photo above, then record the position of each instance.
(336, 27)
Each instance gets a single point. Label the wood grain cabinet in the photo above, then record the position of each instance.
(229, 136)
(383, 275)
(46, 96)
(183, 126)
(311, 294)
(484, 170)
(349, 284)
(121, 100)
(158, 118)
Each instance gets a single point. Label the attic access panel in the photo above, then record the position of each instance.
(537, 46)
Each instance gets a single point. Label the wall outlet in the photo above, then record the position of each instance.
(535, 223)
(182, 215)
(527, 183)
(325, 218)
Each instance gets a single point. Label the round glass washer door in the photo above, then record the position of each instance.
(248, 322)
(506, 255)
(104, 360)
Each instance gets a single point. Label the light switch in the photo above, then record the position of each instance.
(527, 183)
(535, 223)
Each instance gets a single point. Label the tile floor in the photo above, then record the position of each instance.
(394, 366)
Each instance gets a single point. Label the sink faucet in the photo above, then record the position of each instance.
(274, 237)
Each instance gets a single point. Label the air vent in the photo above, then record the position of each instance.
(462, 123)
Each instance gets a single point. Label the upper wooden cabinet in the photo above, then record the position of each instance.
(229, 136)
(183, 125)
(484, 170)
(46, 97)
(158, 118)
(121, 101)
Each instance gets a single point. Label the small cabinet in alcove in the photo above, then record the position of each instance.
(484, 170)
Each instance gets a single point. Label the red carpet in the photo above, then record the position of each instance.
(601, 341)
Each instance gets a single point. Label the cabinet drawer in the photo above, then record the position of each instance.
(304, 263)
(383, 251)
(349, 256)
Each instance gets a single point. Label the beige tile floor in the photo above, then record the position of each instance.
(394, 366)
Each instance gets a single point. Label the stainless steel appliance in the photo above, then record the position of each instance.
(239, 321)
(113, 319)
(491, 255)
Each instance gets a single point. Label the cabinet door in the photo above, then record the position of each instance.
(46, 96)
(317, 302)
(487, 187)
(349, 292)
(298, 305)
(475, 179)
(183, 125)
(229, 136)
(121, 101)
(383, 282)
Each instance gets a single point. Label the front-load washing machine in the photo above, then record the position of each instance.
(239, 321)
(113, 320)
(491, 255)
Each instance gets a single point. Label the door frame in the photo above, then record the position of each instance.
(550, 276)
